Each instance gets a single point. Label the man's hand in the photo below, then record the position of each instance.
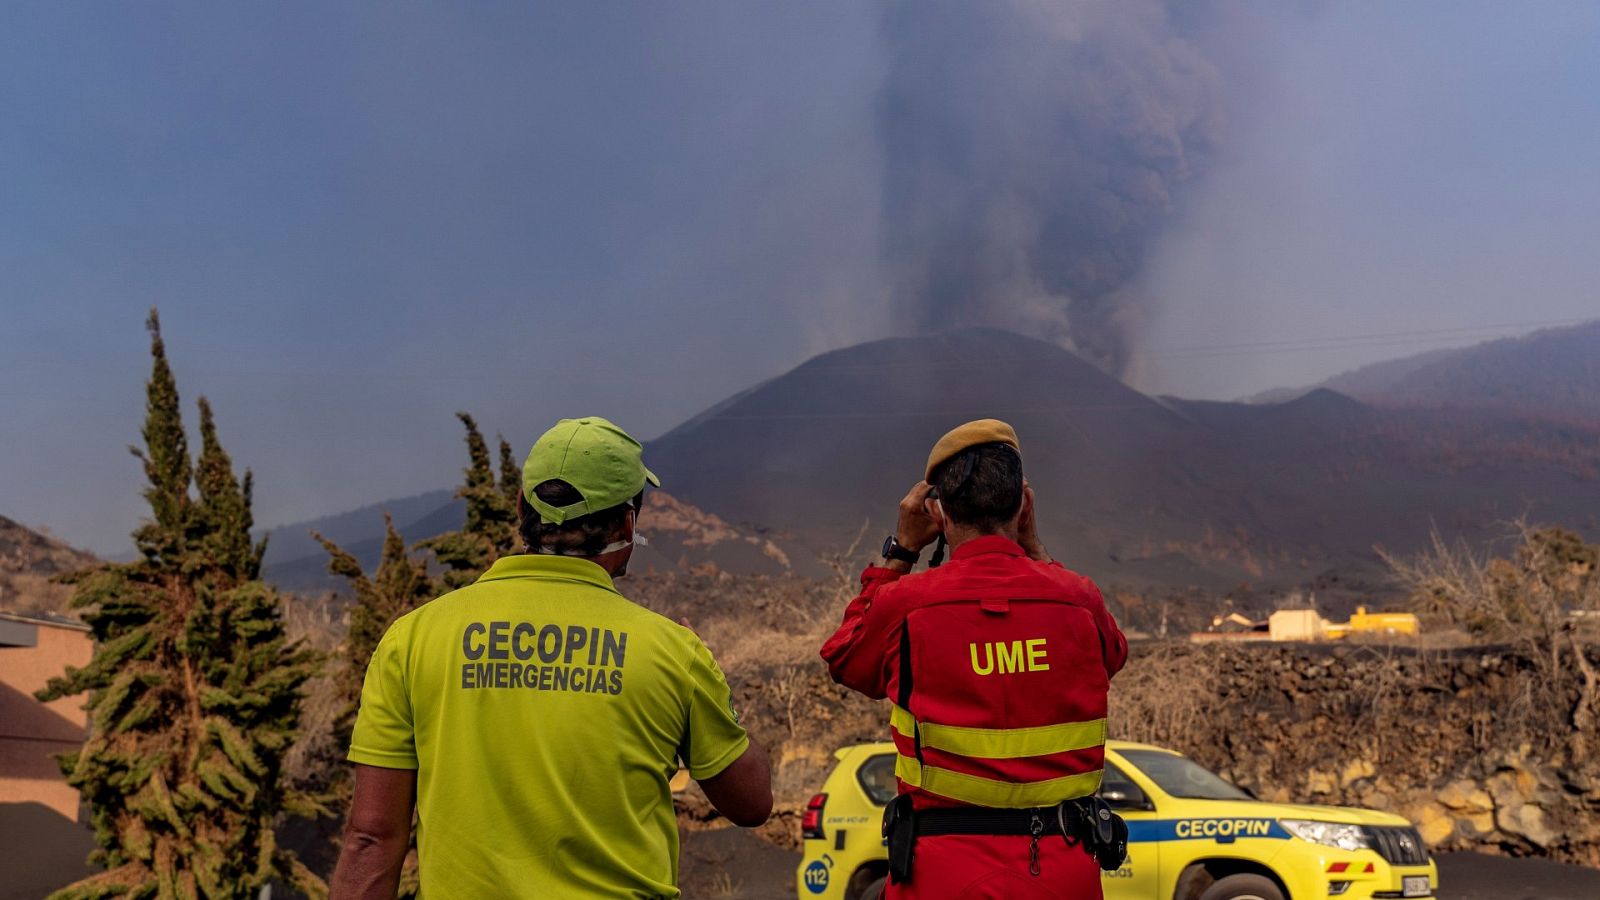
(1028, 527)
(916, 528)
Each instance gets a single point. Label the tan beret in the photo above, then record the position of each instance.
(982, 431)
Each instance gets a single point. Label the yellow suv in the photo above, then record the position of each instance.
(1191, 836)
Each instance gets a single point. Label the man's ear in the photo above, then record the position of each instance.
(1025, 509)
(935, 511)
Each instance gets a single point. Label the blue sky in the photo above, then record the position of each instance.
(359, 218)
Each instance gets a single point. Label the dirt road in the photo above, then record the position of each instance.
(730, 864)
(1468, 876)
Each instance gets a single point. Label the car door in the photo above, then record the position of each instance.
(1140, 875)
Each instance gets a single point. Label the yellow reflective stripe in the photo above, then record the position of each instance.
(1001, 743)
(902, 721)
(980, 791)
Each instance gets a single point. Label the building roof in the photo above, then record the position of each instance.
(45, 619)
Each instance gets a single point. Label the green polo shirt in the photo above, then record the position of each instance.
(544, 714)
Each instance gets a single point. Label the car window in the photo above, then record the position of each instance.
(1181, 777)
(877, 778)
(1119, 791)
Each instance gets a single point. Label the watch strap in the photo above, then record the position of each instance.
(893, 551)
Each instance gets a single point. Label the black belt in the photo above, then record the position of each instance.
(1087, 822)
(977, 820)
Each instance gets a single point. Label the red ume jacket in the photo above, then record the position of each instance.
(999, 668)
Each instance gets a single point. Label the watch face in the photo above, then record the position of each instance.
(893, 551)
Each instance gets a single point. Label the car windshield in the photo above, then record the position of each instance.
(877, 778)
(1181, 778)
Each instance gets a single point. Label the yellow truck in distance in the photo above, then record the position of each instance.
(1307, 625)
(1192, 836)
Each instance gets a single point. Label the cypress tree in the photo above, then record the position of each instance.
(194, 689)
(399, 585)
(490, 528)
(510, 479)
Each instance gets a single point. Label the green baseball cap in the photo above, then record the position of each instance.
(600, 460)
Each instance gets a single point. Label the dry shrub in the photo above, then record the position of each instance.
(32, 594)
(1164, 696)
(765, 632)
(317, 623)
(1531, 599)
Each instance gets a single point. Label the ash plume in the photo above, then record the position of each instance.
(1031, 151)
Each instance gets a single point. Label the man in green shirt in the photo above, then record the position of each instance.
(535, 717)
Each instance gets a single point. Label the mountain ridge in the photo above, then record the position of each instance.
(29, 561)
(1132, 488)
(1554, 371)
(1160, 492)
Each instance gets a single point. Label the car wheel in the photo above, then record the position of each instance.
(874, 890)
(1243, 887)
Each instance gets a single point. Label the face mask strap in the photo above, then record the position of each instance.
(614, 546)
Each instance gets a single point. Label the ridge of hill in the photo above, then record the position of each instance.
(677, 535)
(29, 559)
(1553, 372)
(296, 562)
(355, 527)
(1133, 489)
(807, 448)
(1161, 494)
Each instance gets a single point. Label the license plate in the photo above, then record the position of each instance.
(1414, 886)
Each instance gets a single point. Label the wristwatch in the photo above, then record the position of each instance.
(893, 550)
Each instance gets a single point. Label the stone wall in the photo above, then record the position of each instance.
(1477, 746)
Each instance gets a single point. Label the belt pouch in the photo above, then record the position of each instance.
(899, 833)
(1103, 833)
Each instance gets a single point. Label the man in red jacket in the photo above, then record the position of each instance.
(998, 664)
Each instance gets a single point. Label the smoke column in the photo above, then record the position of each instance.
(1031, 150)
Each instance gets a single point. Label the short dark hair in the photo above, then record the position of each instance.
(585, 535)
(981, 487)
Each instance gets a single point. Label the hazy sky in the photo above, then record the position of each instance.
(1395, 169)
(357, 219)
